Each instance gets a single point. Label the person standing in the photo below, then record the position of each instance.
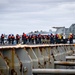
(2, 39)
(56, 38)
(32, 38)
(9, 39)
(36, 39)
(29, 39)
(39, 38)
(24, 38)
(71, 38)
(52, 39)
(17, 38)
(12, 38)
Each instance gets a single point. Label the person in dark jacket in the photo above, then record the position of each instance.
(2, 39)
(29, 39)
(9, 39)
(24, 38)
(52, 39)
(39, 38)
(17, 39)
(12, 38)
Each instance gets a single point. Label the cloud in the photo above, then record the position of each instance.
(3, 3)
(25, 15)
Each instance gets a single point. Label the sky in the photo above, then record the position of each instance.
(18, 16)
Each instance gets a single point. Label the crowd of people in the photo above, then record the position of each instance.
(36, 39)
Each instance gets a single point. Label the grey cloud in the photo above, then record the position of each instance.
(43, 1)
(30, 5)
(35, 14)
